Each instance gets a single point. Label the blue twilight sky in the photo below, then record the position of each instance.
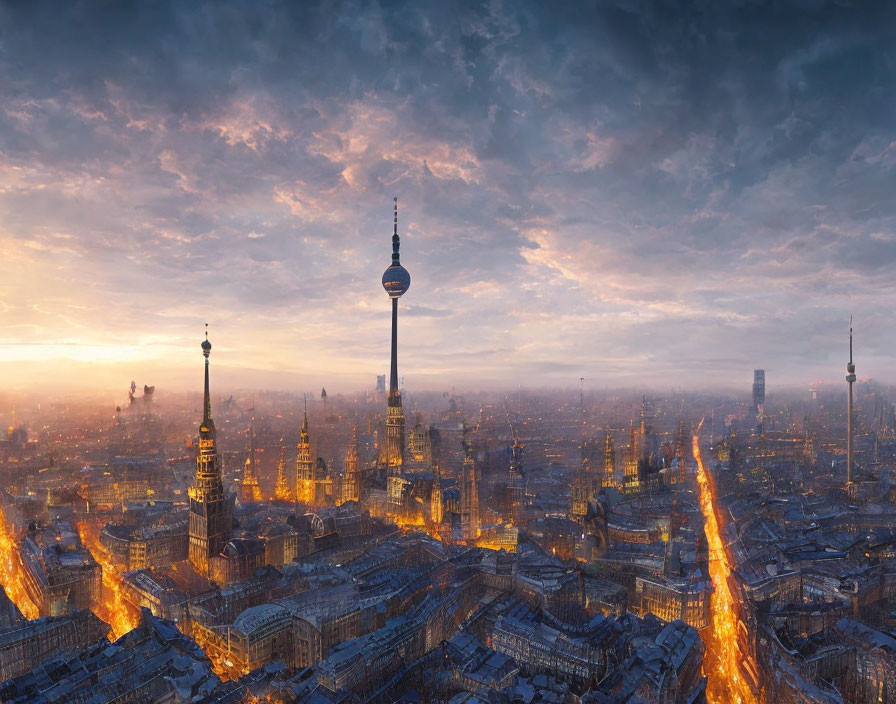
(633, 192)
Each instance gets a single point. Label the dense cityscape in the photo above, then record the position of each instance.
(534, 547)
(447, 352)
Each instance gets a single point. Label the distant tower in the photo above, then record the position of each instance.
(304, 465)
(249, 488)
(281, 488)
(469, 493)
(517, 479)
(759, 393)
(582, 493)
(351, 485)
(323, 397)
(850, 380)
(630, 464)
(435, 496)
(609, 461)
(210, 510)
(396, 281)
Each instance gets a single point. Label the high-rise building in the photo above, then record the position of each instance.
(630, 464)
(351, 482)
(609, 479)
(469, 494)
(249, 489)
(582, 492)
(210, 509)
(758, 390)
(304, 466)
(396, 281)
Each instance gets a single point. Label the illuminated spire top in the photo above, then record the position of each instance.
(304, 437)
(396, 279)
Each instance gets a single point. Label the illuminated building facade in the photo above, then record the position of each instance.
(136, 547)
(249, 489)
(582, 492)
(304, 466)
(396, 281)
(686, 599)
(60, 574)
(281, 488)
(351, 482)
(469, 495)
(419, 449)
(609, 478)
(210, 508)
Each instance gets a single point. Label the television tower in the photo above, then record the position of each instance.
(396, 281)
(850, 380)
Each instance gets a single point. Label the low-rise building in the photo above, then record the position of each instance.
(60, 575)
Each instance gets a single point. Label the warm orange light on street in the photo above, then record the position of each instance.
(725, 682)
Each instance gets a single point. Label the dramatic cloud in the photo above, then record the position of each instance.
(630, 192)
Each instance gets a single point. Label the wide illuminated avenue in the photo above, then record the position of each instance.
(723, 679)
(10, 572)
(113, 609)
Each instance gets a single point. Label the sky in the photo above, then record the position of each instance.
(630, 192)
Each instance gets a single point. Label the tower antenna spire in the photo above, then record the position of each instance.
(850, 339)
(396, 241)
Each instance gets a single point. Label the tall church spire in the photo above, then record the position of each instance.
(305, 469)
(210, 508)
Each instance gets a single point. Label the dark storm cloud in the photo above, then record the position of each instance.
(644, 186)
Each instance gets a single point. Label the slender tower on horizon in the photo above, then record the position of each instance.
(850, 380)
(396, 281)
(210, 511)
(469, 492)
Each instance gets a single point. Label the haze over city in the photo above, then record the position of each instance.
(631, 193)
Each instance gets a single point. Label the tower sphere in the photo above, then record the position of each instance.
(396, 281)
(206, 347)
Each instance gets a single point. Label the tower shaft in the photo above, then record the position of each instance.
(849, 437)
(850, 380)
(393, 375)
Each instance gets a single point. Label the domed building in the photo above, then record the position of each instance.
(260, 635)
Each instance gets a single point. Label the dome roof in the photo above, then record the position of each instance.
(396, 281)
(267, 616)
